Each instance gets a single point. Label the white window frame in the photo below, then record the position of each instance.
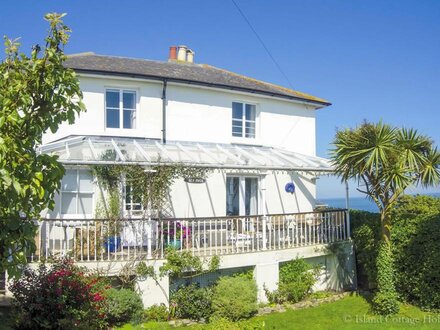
(121, 107)
(131, 211)
(242, 192)
(77, 193)
(244, 120)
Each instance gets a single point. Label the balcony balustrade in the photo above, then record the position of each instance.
(132, 239)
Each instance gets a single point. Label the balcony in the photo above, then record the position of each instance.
(131, 239)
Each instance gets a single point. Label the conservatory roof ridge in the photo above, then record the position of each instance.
(96, 150)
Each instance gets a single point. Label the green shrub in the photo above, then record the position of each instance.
(192, 302)
(158, 313)
(365, 228)
(414, 241)
(235, 298)
(247, 274)
(297, 278)
(417, 260)
(385, 303)
(123, 305)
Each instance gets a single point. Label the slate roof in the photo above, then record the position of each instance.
(184, 72)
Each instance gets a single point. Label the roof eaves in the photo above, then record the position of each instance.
(320, 103)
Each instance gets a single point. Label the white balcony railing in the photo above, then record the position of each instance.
(105, 240)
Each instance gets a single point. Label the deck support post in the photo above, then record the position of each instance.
(149, 232)
(154, 291)
(347, 206)
(263, 211)
(267, 277)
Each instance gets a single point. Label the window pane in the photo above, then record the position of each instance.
(127, 196)
(250, 130)
(112, 99)
(69, 182)
(237, 127)
(129, 100)
(137, 206)
(250, 112)
(85, 181)
(251, 196)
(237, 132)
(68, 203)
(112, 118)
(129, 118)
(237, 110)
(232, 196)
(85, 203)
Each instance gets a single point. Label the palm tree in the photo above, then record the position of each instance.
(385, 160)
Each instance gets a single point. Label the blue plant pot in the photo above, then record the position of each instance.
(177, 244)
(112, 244)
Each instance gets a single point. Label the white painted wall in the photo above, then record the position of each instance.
(194, 114)
(209, 199)
(205, 115)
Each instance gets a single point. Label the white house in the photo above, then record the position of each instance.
(256, 207)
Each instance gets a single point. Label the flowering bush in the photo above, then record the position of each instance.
(59, 296)
(175, 230)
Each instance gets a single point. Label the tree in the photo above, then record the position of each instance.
(385, 161)
(37, 93)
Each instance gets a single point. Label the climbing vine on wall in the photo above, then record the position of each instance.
(151, 185)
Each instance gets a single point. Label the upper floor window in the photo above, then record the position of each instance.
(77, 192)
(120, 108)
(244, 120)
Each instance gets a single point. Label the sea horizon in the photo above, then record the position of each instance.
(358, 203)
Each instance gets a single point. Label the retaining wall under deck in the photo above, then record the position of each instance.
(338, 269)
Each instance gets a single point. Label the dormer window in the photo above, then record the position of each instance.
(244, 120)
(120, 108)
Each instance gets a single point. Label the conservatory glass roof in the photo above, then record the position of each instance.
(94, 150)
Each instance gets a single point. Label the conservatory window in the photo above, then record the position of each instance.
(77, 192)
(133, 202)
(120, 108)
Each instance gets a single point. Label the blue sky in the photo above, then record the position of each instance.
(372, 59)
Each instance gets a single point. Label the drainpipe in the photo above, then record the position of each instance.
(164, 112)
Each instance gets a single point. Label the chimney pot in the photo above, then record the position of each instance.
(181, 53)
(190, 56)
(173, 53)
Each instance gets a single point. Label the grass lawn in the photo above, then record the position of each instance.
(349, 313)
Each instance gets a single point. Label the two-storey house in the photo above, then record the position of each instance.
(257, 138)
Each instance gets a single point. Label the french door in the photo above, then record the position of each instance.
(242, 198)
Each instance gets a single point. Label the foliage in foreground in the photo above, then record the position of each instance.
(158, 313)
(415, 237)
(351, 312)
(122, 306)
(37, 93)
(234, 298)
(59, 296)
(297, 278)
(63, 295)
(385, 161)
(192, 302)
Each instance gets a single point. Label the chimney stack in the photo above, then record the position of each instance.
(181, 54)
(173, 53)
